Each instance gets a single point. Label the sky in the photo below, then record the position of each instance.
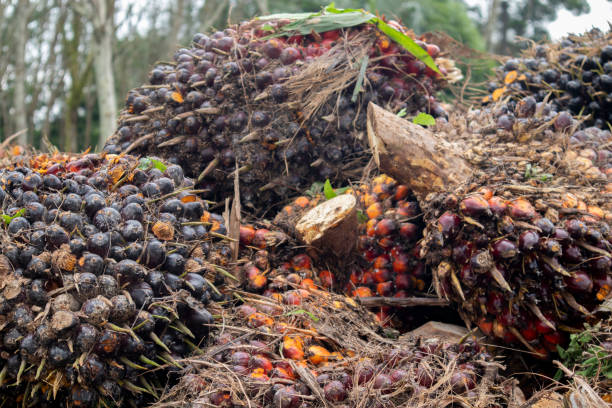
(566, 22)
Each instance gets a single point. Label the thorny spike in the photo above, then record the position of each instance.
(536, 311)
(457, 284)
(158, 341)
(131, 364)
(40, 368)
(148, 361)
(499, 278)
(21, 370)
(181, 328)
(172, 361)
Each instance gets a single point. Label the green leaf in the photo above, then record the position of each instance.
(424, 119)
(402, 113)
(149, 162)
(8, 218)
(361, 217)
(328, 22)
(406, 42)
(315, 188)
(360, 77)
(342, 190)
(286, 16)
(299, 312)
(546, 177)
(328, 190)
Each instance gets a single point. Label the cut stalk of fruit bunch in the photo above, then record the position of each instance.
(283, 112)
(526, 262)
(108, 271)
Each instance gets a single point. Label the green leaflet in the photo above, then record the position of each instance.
(302, 312)
(7, 218)
(424, 119)
(148, 162)
(328, 190)
(408, 43)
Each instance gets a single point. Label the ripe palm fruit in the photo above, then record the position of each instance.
(107, 269)
(574, 74)
(269, 108)
(516, 264)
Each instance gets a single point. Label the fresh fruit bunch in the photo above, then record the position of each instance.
(108, 266)
(281, 108)
(312, 355)
(574, 74)
(527, 269)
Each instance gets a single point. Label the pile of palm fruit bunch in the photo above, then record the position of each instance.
(574, 74)
(282, 101)
(108, 270)
(327, 351)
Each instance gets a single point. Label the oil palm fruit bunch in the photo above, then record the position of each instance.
(575, 74)
(281, 101)
(108, 268)
(514, 235)
(311, 355)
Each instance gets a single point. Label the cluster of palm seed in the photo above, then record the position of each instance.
(284, 112)
(108, 265)
(574, 74)
(272, 354)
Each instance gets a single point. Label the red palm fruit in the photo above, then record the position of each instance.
(355, 277)
(499, 330)
(462, 380)
(497, 205)
(382, 382)
(542, 327)
(240, 358)
(385, 227)
(293, 347)
(331, 35)
(375, 210)
(467, 276)
(292, 297)
(486, 193)
(486, 326)
(220, 398)
(474, 206)
(551, 340)
(327, 44)
(247, 233)
(365, 373)
(433, 50)
(603, 286)
(382, 261)
(381, 275)
(258, 319)
(495, 303)
(408, 209)
(409, 231)
(318, 354)
(260, 238)
(362, 291)
(504, 249)
(371, 227)
(251, 270)
(401, 192)
(294, 278)
(400, 263)
(260, 361)
(385, 243)
(258, 282)
(245, 310)
(308, 284)
(404, 281)
(580, 281)
(301, 262)
(529, 332)
(367, 278)
(383, 316)
(384, 288)
(462, 252)
(448, 224)
(528, 240)
(335, 391)
(424, 376)
(326, 278)
(521, 209)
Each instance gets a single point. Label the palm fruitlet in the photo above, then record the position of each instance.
(283, 112)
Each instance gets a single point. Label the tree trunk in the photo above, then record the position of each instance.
(491, 20)
(103, 67)
(19, 104)
(412, 154)
(177, 16)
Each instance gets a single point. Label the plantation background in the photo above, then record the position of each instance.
(66, 65)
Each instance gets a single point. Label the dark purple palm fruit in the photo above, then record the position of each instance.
(238, 103)
(91, 271)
